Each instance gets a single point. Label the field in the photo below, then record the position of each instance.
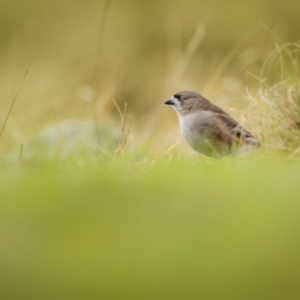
(100, 196)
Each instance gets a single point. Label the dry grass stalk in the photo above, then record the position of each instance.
(21, 154)
(187, 55)
(12, 104)
(275, 108)
(124, 133)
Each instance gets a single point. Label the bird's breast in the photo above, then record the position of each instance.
(196, 126)
(197, 129)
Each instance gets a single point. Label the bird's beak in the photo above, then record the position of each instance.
(170, 102)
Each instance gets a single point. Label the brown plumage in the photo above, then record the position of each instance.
(208, 128)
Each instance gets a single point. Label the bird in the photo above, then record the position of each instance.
(208, 129)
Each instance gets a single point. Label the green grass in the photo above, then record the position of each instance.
(123, 228)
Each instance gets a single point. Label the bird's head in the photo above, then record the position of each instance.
(186, 102)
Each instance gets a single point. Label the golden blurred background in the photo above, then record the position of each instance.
(82, 55)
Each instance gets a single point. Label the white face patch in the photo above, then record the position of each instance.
(177, 104)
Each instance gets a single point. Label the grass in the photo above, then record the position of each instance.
(275, 107)
(12, 105)
(128, 228)
(106, 206)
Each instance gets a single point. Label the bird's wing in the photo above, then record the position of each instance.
(241, 134)
(237, 131)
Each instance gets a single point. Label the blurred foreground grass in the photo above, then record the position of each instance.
(128, 228)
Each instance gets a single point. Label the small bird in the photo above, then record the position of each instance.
(209, 129)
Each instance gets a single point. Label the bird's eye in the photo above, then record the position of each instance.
(179, 98)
